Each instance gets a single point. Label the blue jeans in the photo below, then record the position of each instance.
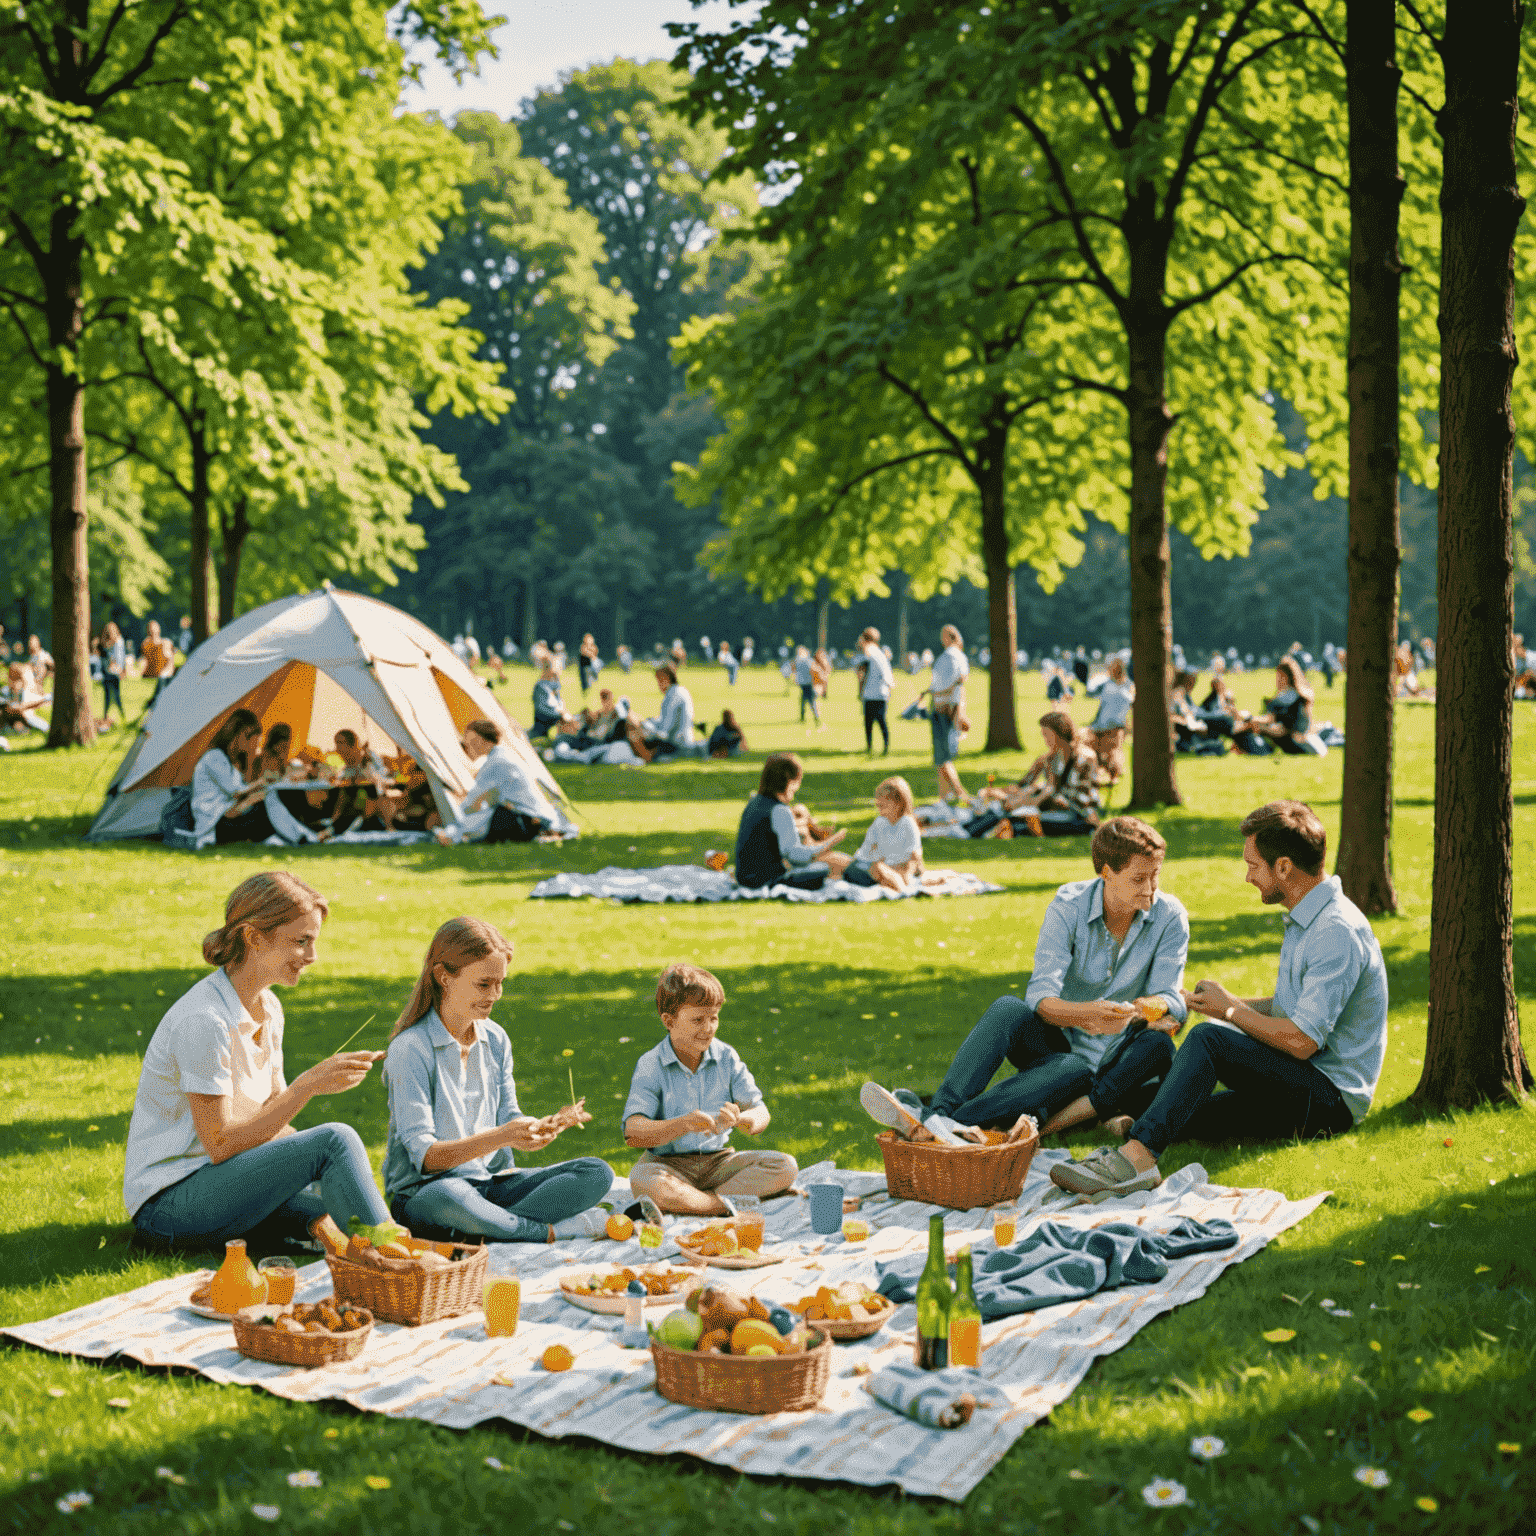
(1049, 1077)
(225, 1200)
(516, 1208)
(946, 738)
(1270, 1096)
(808, 696)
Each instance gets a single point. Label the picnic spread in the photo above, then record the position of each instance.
(695, 882)
(809, 1396)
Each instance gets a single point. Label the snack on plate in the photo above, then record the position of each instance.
(724, 1238)
(328, 1316)
(850, 1302)
(658, 1280)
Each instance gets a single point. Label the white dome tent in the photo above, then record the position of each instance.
(317, 662)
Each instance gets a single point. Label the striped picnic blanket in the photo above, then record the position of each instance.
(449, 1373)
(692, 882)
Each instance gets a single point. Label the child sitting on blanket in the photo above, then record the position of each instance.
(685, 1099)
(892, 851)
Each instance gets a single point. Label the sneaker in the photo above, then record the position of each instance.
(943, 1129)
(910, 1099)
(584, 1224)
(886, 1109)
(1107, 1172)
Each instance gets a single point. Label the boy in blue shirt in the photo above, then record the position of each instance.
(685, 1099)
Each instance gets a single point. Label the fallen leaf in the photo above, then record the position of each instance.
(119, 1402)
(1376, 1346)
(1427, 1504)
(1509, 1447)
(1280, 1335)
(1358, 1263)
(55, 1391)
(332, 1434)
(1482, 1269)
(1398, 1258)
(376, 1481)
(1419, 1415)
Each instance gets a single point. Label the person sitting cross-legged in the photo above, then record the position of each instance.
(1301, 1063)
(1092, 1033)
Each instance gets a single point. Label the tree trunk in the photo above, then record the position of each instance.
(902, 603)
(1152, 775)
(1375, 544)
(73, 722)
(1473, 1052)
(202, 578)
(530, 615)
(823, 607)
(1002, 616)
(232, 532)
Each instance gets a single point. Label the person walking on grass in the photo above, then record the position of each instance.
(805, 680)
(1303, 1062)
(876, 682)
(946, 691)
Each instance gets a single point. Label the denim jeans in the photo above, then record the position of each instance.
(225, 1200)
(1270, 1096)
(516, 1208)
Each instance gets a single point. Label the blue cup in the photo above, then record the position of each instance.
(826, 1208)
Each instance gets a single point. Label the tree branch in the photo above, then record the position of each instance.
(906, 458)
(928, 415)
(132, 76)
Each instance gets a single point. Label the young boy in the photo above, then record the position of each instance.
(685, 1099)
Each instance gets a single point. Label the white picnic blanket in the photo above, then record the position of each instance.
(693, 882)
(449, 1373)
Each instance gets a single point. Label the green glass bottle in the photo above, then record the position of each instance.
(933, 1301)
(964, 1316)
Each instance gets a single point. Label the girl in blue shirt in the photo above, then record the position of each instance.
(454, 1120)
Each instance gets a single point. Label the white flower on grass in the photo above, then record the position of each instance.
(73, 1501)
(1164, 1493)
(1207, 1447)
(305, 1478)
(171, 1476)
(1327, 1303)
(493, 1464)
(1341, 1312)
(267, 1512)
(1372, 1477)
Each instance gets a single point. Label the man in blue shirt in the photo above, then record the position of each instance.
(1092, 1035)
(1303, 1062)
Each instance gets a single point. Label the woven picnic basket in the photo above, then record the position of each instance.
(961, 1178)
(261, 1341)
(844, 1329)
(402, 1291)
(745, 1383)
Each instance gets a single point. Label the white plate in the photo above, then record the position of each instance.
(734, 1260)
(613, 1301)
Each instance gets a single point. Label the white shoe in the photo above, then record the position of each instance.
(884, 1108)
(584, 1224)
(942, 1129)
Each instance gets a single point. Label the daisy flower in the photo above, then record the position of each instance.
(73, 1501)
(305, 1478)
(267, 1512)
(493, 1464)
(1372, 1477)
(1207, 1447)
(1164, 1493)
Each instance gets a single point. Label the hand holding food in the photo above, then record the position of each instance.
(696, 1123)
(1109, 1018)
(727, 1117)
(337, 1074)
(529, 1135)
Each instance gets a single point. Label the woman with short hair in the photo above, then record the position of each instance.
(212, 1151)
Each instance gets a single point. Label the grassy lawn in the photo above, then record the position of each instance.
(1427, 1239)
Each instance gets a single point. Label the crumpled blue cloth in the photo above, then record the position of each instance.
(1058, 1263)
(933, 1399)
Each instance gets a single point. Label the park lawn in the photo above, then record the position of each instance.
(1426, 1239)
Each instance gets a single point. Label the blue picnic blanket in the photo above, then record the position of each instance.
(1058, 1262)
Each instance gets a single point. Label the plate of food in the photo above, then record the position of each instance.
(603, 1290)
(728, 1244)
(851, 1310)
(199, 1303)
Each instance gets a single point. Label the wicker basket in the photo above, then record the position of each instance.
(961, 1178)
(406, 1292)
(746, 1383)
(261, 1341)
(843, 1330)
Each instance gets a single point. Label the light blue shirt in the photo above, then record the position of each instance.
(437, 1094)
(1333, 987)
(675, 722)
(1075, 958)
(663, 1088)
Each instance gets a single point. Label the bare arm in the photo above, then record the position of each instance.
(1095, 1018)
(1256, 1018)
(642, 1131)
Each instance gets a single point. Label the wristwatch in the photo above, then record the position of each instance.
(1230, 1011)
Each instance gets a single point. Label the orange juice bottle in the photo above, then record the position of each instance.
(964, 1316)
(503, 1299)
(237, 1284)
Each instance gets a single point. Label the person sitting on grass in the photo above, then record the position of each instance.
(212, 1152)
(1057, 797)
(892, 851)
(727, 739)
(670, 733)
(686, 1097)
(1302, 1063)
(369, 798)
(1082, 1047)
(505, 805)
(1288, 721)
(549, 712)
(21, 698)
(454, 1120)
(768, 846)
(228, 809)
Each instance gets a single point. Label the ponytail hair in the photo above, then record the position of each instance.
(459, 942)
(263, 903)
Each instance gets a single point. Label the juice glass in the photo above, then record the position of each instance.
(280, 1273)
(1005, 1225)
(965, 1341)
(503, 1298)
(748, 1222)
(855, 1229)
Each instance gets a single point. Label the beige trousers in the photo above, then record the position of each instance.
(718, 1173)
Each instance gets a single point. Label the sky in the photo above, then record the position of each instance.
(540, 38)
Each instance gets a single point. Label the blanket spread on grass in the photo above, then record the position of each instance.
(449, 1373)
(693, 882)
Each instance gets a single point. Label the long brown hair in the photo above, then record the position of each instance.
(240, 723)
(1292, 669)
(459, 942)
(263, 903)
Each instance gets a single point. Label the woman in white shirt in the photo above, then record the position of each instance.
(502, 783)
(892, 851)
(211, 1151)
(876, 688)
(228, 809)
(947, 698)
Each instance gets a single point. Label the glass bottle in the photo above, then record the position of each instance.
(933, 1299)
(237, 1283)
(964, 1316)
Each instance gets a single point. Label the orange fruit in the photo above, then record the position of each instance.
(749, 1331)
(619, 1227)
(558, 1358)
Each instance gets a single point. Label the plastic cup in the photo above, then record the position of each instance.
(650, 1235)
(748, 1222)
(502, 1299)
(826, 1208)
(1005, 1226)
(280, 1273)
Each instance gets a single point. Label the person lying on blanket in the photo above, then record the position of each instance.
(212, 1152)
(686, 1097)
(454, 1119)
(1303, 1062)
(1092, 1035)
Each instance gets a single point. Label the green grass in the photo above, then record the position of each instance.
(95, 941)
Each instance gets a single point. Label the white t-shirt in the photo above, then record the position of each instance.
(878, 680)
(216, 785)
(894, 842)
(206, 1043)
